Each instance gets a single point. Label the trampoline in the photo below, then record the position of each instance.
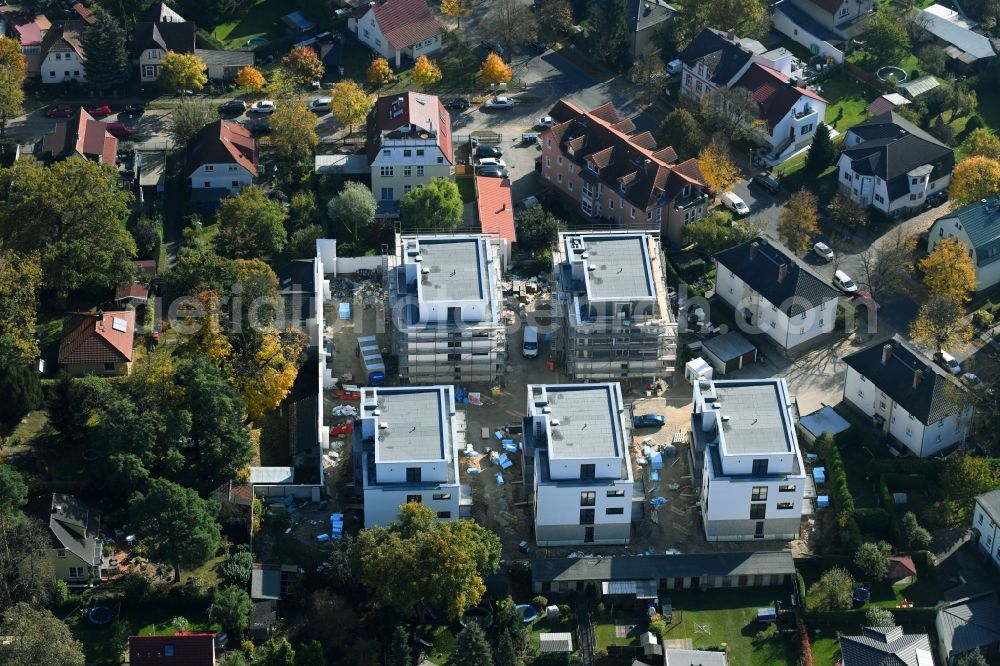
(527, 612)
(861, 596)
(100, 615)
(890, 74)
(479, 615)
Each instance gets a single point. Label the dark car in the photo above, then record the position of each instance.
(768, 182)
(488, 151)
(233, 107)
(937, 199)
(60, 111)
(459, 104)
(493, 172)
(538, 48)
(257, 126)
(491, 45)
(133, 110)
(648, 421)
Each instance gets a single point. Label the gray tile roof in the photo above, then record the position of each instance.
(886, 646)
(633, 567)
(991, 504)
(937, 395)
(981, 223)
(644, 14)
(969, 623)
(72, 525)
(225, 58)
(760, 271)
(683, 657)
(723, 58)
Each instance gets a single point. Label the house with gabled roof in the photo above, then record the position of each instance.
(713, 60)
(75, 549)
(886, 646)
(152, 39)
(397, 29)
(28, 29)
(961, 39)
(184, 648)
(643, 20)
(98, 343)
(907, 396)
(892, 165)
(986, 526)
(977, 225)
(969, 624)
(62, 55)
(597, 159)
(221, 160)
(81, 136)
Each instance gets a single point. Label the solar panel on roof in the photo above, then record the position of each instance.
(119, 324)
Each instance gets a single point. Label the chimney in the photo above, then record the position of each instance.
(917, 376)
(731, 35)
(754, 249)
(782, 272)
(886, 353)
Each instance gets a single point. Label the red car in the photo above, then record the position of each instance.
(119, 130)
(100, 111)
(342, 429)
(60, 111)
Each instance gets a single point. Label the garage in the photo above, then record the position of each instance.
(729, 352)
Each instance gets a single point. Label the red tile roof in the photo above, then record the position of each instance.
(421, 112)
(80, 135)
(137, 290)
(405, 22)
(85, 14)
(773, 92)
(90, 338)
(64, 36)
(496, 207)
(901, 566)
(223, 142)
(181, 649)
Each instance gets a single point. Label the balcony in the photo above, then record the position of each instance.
(806, 112)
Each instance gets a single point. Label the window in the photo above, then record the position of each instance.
(861, 394)
(76, 72)
(378, 42)
(913, 197)
(882, 404)
(548, 162)
(209, 167)
(420, 171)
(847, 176)
(914, 181)
(387, 152)
(168, 650)
(757, 511)
(614, 511)
(367, 34)
(759, 494)
(786, 505)
(760, 466)
(413, 475)
(616, 493)
(235, 184)
(559, 177)
(548, 143)
(407, 152)
(387, 194)
(442, 496)
(444, 514)
(109, 367)
(805, 129)
(588, 498)
(385, 171)
(632, 210)
(440, 160)
(414, 499)
(611, 204)
(588, 472)
(407, 172)
(570, 185)
(980, 522)
(61, 553)
(420, 152)
(559, 160)
(149, 71)
(649, 215)
(879, 198)
(844, 12)
(76, 572)
(786, 488)
(586, 516)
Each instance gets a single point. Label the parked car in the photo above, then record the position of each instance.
(257, 42)
(843, 281)
(263, 106)
(488, 151)
(233, 107)
(342, 429)
(493, 172)
(734, 203)
(674, 67)
(546, 121)
(119, 130)
(499, 103)
(767, 181)
(948, 362)
(257, 126)
(972, 380)
(491, 45)
(100, 110)
(133, 110)
(492, 162)
(648, 421)
(824, 251)
(936, 199)
(538, 48)
(321, 104)
(459, 104)
(60, 111)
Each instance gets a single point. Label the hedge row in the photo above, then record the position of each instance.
(890, 507)
(836, 478)
(872, 521)
(898, 481)
(207, 40)
(846, 620)
(928, 468)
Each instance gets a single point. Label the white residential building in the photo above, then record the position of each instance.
(577, 463)
(62, 53)
(773, 293)
(397, 28)
(406, 443)
(908, 397)
(986, 525)
(714, 60)
(978, 227)
(221, 161)
(445, 303)
(752, 479)
(615, 321)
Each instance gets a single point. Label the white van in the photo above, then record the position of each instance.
(734, 203)
(844, 282)
(948, 362)
(529, 348)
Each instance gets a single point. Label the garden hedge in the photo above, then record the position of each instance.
(874, 521)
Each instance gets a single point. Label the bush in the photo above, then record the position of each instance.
(540, 602)
(907, 482)
(832, 591)
(237, 569)
(136, 588)
(658, 628)
(564, 610)
(872, 520)
(800, 589)
(982, 318)
(912, 533)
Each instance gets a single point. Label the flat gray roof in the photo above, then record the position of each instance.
(586, 416)
(455, 273)
(414, 429)
(621, 267)
(728, 346)
(662, 567)
(753, 417)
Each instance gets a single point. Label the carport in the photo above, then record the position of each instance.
(729, 352)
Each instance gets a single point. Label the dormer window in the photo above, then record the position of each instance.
(621, 187)
(593, 167)
(686, 192)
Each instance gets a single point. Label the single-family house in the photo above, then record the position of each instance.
(713, 60)
(844, 18)
(98, 343)
(397, 29)
(886, 646)
(224, 65)
(184, 648)
(29, 30)
(908, 397)
(790, 112)
(986, 525)
(409, 144)
(72, 529)
(644, 20)
(969, 624)
(62, 55)
(772, 292)
(597, 160)
(221, 160)
(892, 165)
(81, 136)
(977, 225)
(959, 37)
(151, 41)
(793, 19)
(161, 12)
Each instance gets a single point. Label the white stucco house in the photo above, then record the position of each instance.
(62, 55)
(397, 28)
(892, 165)
(221, 160)
(773, 293)
(978, 226)
(713, 60)
(908, 397)
(986, 525)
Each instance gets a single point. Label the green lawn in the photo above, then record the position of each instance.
(925, 591)
(546, 626)
(848, 98)
(257, 22)
(826, 651)
(442, 639)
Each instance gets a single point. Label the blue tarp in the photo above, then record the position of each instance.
(344, 311)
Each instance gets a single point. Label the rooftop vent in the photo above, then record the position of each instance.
(554, 422)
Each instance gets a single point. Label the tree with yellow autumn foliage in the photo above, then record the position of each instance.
(426, 72)
(263, 367)
(799, 221)
(379, 72)
(250, 78)
(495, 70)
(974, 178)
(349, 103)
(183, 71)
(457, 9)
(941, 323)
(302, 66)
(717, 166)
(948, 270)
(208, 337)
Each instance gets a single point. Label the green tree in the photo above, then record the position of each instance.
(821, 151)
(556, 16)
(73, 214)
(353, 208)
(885, 37)
(251, 225)
(504, 652)
(309, 654)
(25, 571)
(832, 591)
(915, 536)
(876, 616)
(332, 617)
(964, 477)
(107, 64)
(398, 653)
(972, 658)
(748, 19)
(537, 229)
(275, 652)
(848, 213)
(238, 568)
(11, 81)
(302, 210)
(35, 637)
(350, 104)
(293, 131)
(231, 608)
(717, 231)
(175, 524)
(21, 391)
(187, 119)
(436, 205)
(302, 242)
(20, 280)
(682, 131)
(799, 221)
(395, 561)
(13, 490)
(982, 142)
(941, 323)
(471, 647)
(872, 559)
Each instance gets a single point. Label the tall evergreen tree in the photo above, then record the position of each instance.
(472, 648)
(398, 652)
(821, 152)
(107, 64)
